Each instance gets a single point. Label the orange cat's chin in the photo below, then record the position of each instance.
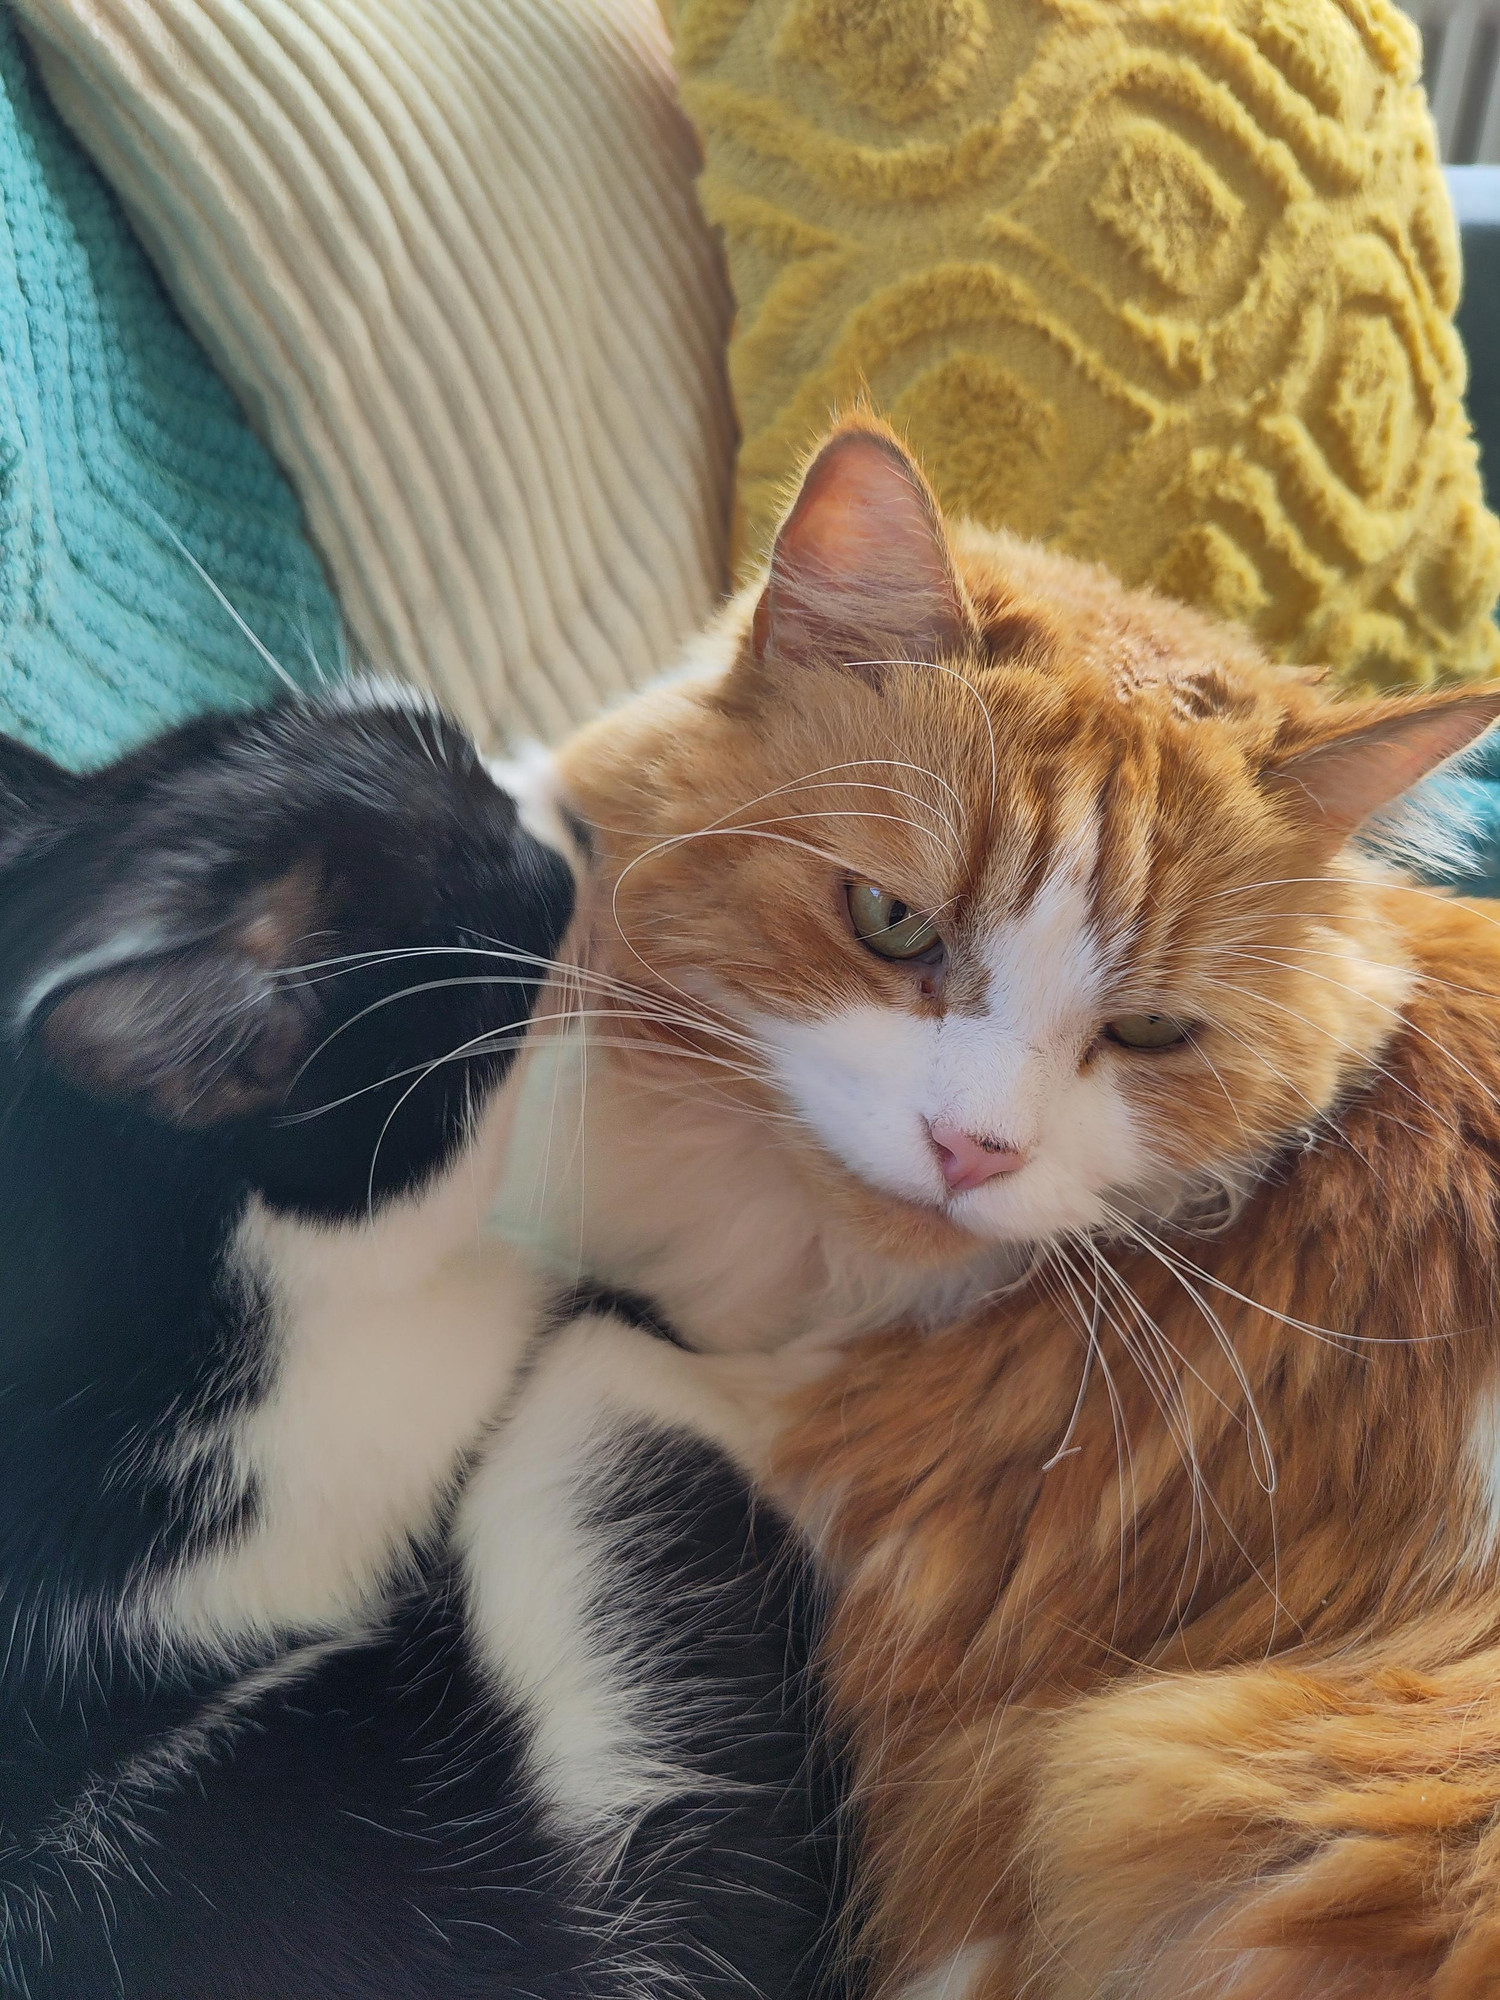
(911, 1231)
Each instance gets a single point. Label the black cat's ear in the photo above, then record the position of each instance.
(33, 791)
(215, 1030)
(861, 572)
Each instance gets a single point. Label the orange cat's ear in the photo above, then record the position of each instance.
(861, 573)
(1337, 785)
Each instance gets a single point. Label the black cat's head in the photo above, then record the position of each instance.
(307, 939)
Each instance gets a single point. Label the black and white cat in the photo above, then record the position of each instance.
(359, 1637)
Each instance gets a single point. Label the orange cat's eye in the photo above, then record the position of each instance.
(1146, 1031)
(886, 925)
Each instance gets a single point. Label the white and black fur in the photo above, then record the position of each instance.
(356, 1638)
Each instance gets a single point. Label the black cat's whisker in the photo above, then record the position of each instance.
(827, 779)
(675, 840)
(830, 771)
(225, 604)
(573, 1007)
(496, 1041)
(686, 1017)
(355, 960)
(489, 1043)
(461, 1053)
(304, 633)
(392, 999)
(953, 852)
(765, 831)
(685, 1011)
(488, 979)
(688, 1086)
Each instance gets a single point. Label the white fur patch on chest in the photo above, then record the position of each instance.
(392, 1343)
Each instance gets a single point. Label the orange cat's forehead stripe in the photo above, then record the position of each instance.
(1010, 634)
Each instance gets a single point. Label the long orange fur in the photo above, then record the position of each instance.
(1173, 1670)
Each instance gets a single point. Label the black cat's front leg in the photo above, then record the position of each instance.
(656, 1623)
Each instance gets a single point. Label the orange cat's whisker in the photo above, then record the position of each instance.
(1392, 1013)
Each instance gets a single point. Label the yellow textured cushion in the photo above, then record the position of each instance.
(1167, 283)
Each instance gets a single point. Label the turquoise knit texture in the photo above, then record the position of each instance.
(124, 461)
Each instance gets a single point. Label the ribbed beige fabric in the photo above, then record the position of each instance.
(449, 254)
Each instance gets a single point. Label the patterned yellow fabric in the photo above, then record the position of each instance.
(1167, 283)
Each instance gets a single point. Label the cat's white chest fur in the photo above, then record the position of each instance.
(690, 1200)
(390, 1343)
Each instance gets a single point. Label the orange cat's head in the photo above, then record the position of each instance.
(1019, 899)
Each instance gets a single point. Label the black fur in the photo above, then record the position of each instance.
(256, 877)
(367, 1831)
(210, 957)
(630, 1307)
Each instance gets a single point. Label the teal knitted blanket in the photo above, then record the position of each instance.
(152, 559)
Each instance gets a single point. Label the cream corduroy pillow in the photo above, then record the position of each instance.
(448, 253)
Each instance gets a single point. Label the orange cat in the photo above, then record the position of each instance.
(1010, 925)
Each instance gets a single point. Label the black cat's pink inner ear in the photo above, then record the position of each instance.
(1336, 786)
(860, 572)
(213, 1031)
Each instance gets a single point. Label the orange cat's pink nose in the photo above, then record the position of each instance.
(968, 1161)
